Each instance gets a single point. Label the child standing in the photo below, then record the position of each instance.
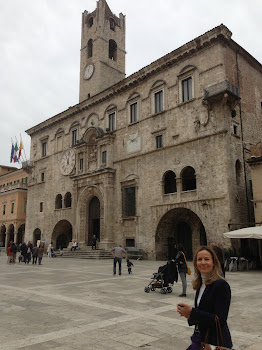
(129, 265)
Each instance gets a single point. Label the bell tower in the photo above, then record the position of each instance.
(102, 58)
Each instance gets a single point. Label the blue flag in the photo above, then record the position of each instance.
(12, 153)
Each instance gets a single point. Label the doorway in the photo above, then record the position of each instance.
(93, 219)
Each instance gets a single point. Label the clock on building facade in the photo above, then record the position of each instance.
(68, 162)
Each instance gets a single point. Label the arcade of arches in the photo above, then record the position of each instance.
(8, 234)
(182, 226)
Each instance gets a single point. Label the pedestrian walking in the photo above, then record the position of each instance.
(13, 249)
(129, 265)
(49, 250)
(212, 302)
(182, 268)
(41, 253)
(118, 253)
(9, 254)
(94, 241)
(35, 254)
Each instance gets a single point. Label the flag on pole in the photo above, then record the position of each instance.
(12, 153)
(20, 149)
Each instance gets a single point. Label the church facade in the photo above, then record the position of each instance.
(153, 159)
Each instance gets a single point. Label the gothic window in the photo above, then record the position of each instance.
(4, 209)
(170, 182)
(159, 101)
(90, 22)
(129, 201)
(41, 207)
(188, 179)
(58, 201)
(187, 89)
(112, 24)
(42, 177)
(112, 50)
(68, 200)
(90, 48)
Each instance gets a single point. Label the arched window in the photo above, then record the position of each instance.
(188, 179)
(90, 48)
(112, 24)
(58, 201)
(68, 200)
(238, 171)
(90, 22)
(170, 182)
(112, 50)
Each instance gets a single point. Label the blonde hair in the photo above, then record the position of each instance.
(213, 275)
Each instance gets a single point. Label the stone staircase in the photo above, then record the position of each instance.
(85, 253)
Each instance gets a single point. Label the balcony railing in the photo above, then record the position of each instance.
(13, 187)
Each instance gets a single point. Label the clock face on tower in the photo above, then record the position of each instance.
(89, 71)
(68, 162)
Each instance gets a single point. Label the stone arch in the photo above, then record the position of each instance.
(188, 176)
(169, 182)
(58, 201)
(10, 233)
(112, 50)
(36, 236)
(20, 234)
(3, 235)
(178, 225)
(68, 200)
(62, 230)
(82, 209)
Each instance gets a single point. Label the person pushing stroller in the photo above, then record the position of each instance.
(129, 265)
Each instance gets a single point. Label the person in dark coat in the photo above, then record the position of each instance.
(94, 241)
(182, 268)
(23, 250)
(212, 299)
(13, 251)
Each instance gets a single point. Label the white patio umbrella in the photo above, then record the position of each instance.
(248, 232)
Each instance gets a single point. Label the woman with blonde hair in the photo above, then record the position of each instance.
(212, 300)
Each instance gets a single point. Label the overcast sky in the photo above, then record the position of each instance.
(40, 49)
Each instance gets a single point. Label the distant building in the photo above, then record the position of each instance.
(153, 159)
(13, 199)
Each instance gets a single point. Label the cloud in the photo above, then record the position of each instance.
(40, 48)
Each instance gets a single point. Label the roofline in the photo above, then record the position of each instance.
(219, 33)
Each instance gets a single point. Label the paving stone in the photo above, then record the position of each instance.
(67, 304)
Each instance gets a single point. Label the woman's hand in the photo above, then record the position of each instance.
(184, 310)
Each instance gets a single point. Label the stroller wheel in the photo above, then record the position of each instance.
(153, 288)
(169, 290)
(163, 291)
(147, 289)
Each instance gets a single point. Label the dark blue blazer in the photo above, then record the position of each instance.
(214, 301)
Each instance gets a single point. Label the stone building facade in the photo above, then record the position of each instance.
(156, 158)
(13, 202)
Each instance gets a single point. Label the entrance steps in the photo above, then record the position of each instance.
(85, 253)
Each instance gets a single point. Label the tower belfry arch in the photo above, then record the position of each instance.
(102, 61)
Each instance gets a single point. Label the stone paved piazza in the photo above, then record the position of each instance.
(78, 304)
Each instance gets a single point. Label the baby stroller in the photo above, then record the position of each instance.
(162, 279)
